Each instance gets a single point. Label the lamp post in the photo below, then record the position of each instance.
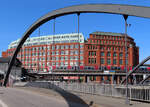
(126, 50)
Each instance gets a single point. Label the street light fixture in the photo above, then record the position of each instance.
(126, 50)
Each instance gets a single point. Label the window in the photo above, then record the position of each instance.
(127, 61)
(57, 47)
(62, 63)
(77, 46)
(114, 61)
(66, 52)
(57, 58)
(48, 58)
(102, 60)
(102, 48)
(66, 46)
(81, 57)
(89, 60)
(71, 57)
(57, 52)
(53, 52)
(53, 63)
(62, 52)
(62, 58)
(43, 53)
(71, 63)
(62, 46)
(76, 52)
(120, 54)
(90, 41)
(76, 63)
(114, 54)
(81, 51)
(94, 53)
(66, 63)
(66, 57)
(81, 63)
(89, 53)
(48, 53)
(106, 42)
(53, 58)
(92, 60)
(81, 46)
(120, 61)
(71, 52)
(57, 63)
(76, 57)
(71, 46)
(102, 53)
(108, 61)
(108, 54)
(108, 48)
(48, 48)
(53, 47)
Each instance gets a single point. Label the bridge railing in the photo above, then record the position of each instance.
(139, 93)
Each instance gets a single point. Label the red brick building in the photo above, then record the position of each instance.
(108, 49)
(102, 49)
(41, 53)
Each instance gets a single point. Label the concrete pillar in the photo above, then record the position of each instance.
(105, 78)
(118, 79)
(112, 79)
(98, 78)
(85, 79)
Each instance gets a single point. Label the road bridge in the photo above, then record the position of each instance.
(125, 10)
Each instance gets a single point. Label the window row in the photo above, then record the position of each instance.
(92, 60)
(53, 58)
(72, 52)
(109, 54)
(104, 48)
(108, 37)
(41, 65)
(104, 42)
(108, 61)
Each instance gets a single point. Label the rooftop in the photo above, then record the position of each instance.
(108, 33)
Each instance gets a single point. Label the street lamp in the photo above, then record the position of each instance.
(126, 50)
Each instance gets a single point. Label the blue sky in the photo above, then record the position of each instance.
(17, 15)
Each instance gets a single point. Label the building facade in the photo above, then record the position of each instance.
(107, 49)
(101, 49)
(42, 53)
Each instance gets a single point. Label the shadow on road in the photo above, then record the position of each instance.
(72, 99)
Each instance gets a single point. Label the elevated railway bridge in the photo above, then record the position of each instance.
(101, 76)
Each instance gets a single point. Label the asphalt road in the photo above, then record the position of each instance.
(12, 97)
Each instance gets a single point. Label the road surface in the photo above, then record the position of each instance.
(13, 97)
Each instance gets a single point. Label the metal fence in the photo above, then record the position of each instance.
(140, 93)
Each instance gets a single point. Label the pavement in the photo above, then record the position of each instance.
(18, 97)
(63, 99)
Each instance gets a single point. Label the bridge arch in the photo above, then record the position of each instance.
(135, 68)
(128, 10)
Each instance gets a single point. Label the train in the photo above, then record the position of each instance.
(94, 68)
(89, 69)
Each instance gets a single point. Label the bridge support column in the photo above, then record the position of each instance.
(85, 79)
(105, 78)
(118, 79)
(112, 79)
(98, 79)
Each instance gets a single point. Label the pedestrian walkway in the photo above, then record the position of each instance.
(92, 100)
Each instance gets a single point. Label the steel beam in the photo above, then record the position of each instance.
(135, 68)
